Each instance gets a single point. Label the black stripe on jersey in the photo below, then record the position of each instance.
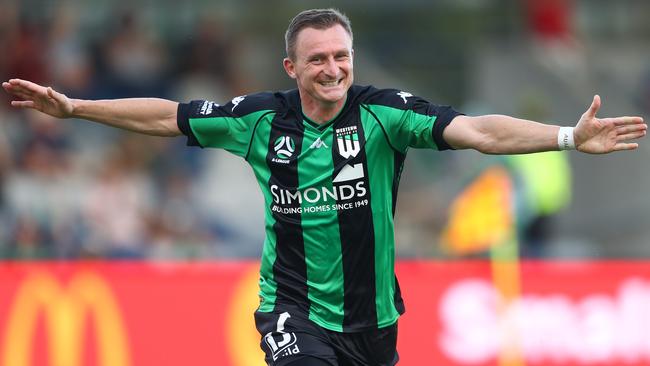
(398, 166)
(397, 298)
(357, 236)
(383, 129)
(289, 268)
(398, 162)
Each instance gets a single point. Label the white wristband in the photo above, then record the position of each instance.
(565, 139)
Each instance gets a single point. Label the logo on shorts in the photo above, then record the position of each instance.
(280, 342)
(347, 139)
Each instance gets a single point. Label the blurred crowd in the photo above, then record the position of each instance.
(74, 189)
(71, 189)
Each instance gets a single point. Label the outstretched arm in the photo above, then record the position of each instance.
(149, 116)
(498, 134)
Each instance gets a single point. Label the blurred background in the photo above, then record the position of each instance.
(74, 189)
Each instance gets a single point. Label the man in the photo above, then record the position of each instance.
(328, 158)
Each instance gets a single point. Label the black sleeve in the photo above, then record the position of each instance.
(445, 114)
(183, 121)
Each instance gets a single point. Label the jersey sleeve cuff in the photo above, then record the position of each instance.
(183, 122)
(444, 119)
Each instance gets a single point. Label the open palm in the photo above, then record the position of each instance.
(602, 135)
(38, 97)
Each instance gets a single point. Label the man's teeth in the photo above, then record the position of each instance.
(330, 83)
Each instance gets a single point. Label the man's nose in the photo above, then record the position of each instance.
(331, 68)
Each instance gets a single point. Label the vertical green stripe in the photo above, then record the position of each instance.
(257, 159)
(320, 231)
(380, 159)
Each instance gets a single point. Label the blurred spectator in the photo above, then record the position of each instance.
(26, 59)
(134, 61)
(8, 28)
(28, 239)
(69, 62)
(544, 187)
(177, 229)
(551, 19)
(544, 190)
(556, 46)
(57, 203)
(42, 194)
(5, 171)
(119, 204)
(208, 68)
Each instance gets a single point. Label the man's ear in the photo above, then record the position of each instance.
(289, 67)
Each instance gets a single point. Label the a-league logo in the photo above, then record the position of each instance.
(284, 147)
(347, 139)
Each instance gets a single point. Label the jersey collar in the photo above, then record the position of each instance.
(323, 126)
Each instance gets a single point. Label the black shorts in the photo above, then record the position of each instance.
(288, 335)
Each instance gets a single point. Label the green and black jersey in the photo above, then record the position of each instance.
(330, 192)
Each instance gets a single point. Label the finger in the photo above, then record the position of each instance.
(10, 87)
(593, 108)
(620, 130)
(26, 93)
(28, 85)
(626, 120)
(23, 104)
(631, 136)
(19, 90)
(22, 96)
(625, 146)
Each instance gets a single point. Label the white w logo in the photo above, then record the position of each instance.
(348, 145)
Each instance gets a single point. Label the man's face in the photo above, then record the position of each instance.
(322, 65)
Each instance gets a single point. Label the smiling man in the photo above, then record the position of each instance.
(328, 157)
(320, 59)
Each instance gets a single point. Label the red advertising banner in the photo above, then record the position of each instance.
(139, 313)
(569, 313)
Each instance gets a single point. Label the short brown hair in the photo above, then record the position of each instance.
(313, 18)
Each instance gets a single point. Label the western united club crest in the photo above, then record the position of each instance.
(347, 139)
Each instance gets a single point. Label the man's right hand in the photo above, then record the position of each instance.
(151, 116)
(38, 97)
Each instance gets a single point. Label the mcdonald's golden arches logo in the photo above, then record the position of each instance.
(65, 309)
